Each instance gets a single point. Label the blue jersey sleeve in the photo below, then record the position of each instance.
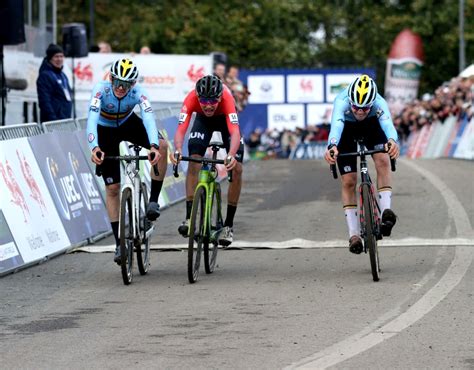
(148, 117)
(93, 116)
(385, 118)
(337, 120)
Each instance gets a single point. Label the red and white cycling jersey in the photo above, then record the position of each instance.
(226, 107)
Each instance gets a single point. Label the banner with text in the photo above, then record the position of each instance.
(27, 205)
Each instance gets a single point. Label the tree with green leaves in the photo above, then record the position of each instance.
(285, 34)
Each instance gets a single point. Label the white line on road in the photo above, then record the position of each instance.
(367, 338)
(303, 244)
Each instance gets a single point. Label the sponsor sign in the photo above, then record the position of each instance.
(71, 185)
(166, 77)
(402, 79)
(308, 151)
(305, 88)
(266, 89)
(285, 116)
(335, 83)
(173, 187)
(465, 148)
(10, 257)
(318, 113)
(26, 203)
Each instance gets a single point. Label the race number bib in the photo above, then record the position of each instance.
(234, 119)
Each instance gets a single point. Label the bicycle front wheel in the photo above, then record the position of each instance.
(126, 236)
(370, 237)
(211, 244)
(196, 234)
(143, 243)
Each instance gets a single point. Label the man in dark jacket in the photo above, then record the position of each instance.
(54, 92)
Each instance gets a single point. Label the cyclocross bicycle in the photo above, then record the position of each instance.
(206, 221)
(134, 229)
(369, 209)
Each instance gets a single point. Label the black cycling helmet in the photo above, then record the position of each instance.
(209, 87)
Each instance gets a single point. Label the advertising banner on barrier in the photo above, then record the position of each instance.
(83, 145)
(71, 185)
(166, 77)
(10, 257)
(174, 187)
(309, 151)
(317, 114)
(456, 136)
(465, 148)
(335, 83)
(305, 88)
(266, 89)
(26, 203)
(285, 116)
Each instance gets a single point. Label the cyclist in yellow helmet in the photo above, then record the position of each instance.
(360, 112)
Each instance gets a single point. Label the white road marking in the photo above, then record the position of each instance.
(368, 338)
(302, 244)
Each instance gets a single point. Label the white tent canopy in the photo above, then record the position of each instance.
(468, 72)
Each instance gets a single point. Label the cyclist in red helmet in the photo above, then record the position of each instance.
(214, 108)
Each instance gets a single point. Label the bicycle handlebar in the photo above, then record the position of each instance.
(126, 158)
(359, 154)
(202, 160)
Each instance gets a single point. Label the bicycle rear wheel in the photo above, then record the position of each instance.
(143, 248)
(196, 234)
(211, 244)
(370, 237)
(126, 236)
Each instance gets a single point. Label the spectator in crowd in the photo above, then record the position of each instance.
(232, 76)
(104, 47)
(52, 86)
(238, 89)
(453, 98)
(145, 50)
(219, 71)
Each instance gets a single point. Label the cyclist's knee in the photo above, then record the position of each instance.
(237, 170)
(381, 161)
(113, 190)
(193, 169)
(349, 181)
(163, 147)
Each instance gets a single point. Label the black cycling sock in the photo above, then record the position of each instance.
(115, 227)
(155, 190)
(189, 207)
(229, 220)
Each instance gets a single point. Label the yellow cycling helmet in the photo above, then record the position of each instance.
(362, 91)
(124, 70)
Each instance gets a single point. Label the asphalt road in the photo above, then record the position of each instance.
(290, 295)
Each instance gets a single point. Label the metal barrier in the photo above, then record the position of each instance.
(33, 129)
(81, 123)
(170, 111)
(21, 130)
(68, 125)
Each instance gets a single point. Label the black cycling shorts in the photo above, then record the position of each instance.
(374, 138)
(109, 139)
(201, 134)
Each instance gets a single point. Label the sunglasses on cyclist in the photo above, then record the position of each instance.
(124, 84)
(206, 101)
(363, 109)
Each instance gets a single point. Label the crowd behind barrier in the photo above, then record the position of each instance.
(51, 200)
(273, 143)
(438, 125)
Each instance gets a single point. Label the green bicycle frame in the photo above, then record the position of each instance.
(207, 180)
